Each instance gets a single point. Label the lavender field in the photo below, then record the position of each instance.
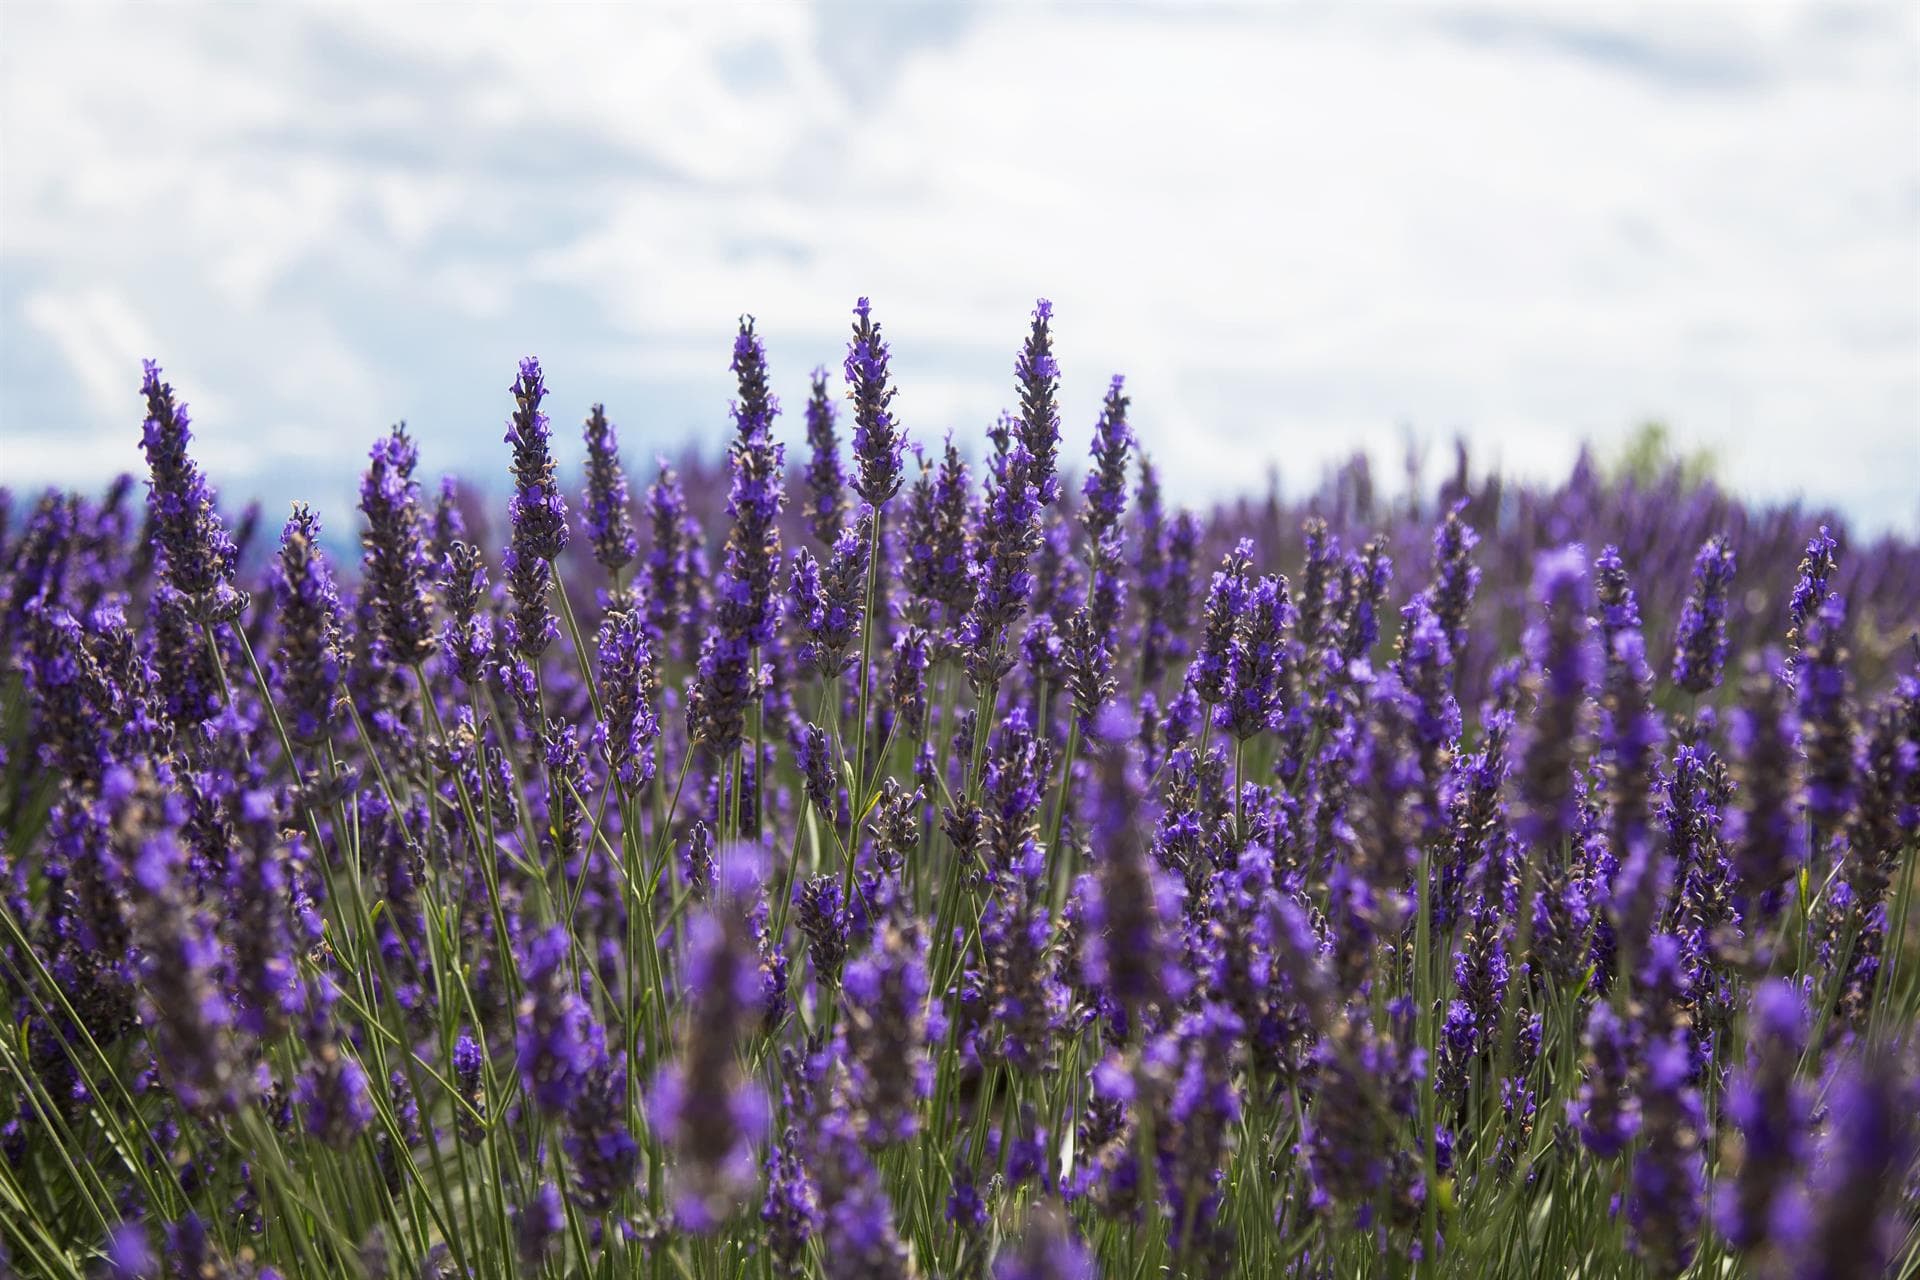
(922, 855)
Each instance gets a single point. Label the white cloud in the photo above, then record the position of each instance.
(1296, 229)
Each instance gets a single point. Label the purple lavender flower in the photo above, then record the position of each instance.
(1855, 1209)
(1455, 576)
(469, 1076)
(1668, 1184)
(1363, 585)
(601, 1150)
(1203, 1111)
(907, 681)
(1367, 1079)
(259, 926)
(539, 512)
(1003, 578)
(1038, 376)
(539, 517)
(448, 524)
(1810, 590)
(886, 1035)
(1424, 670)
(859, 1233)
(939, 546)
(878, 445)
(1105, 488)
(671, 588)
(1257, 692)
(747, 608)
(537, 1224)
(791, 1209)
(1767, 1110)
(333, 1090)
(129, 1253)
(1826, 719)
(608, 507)
(558, 1042)
(1124, 951)
(1211, 675)
(190, 1022)
(1630, 742)
(1606, 1113)
(823, 921)
(1048, 1250)
(1766, 841)
(630, 686)
(701, 1105)
(396, 551)
(198, 558)
(826, 482)
(1700, 641)
(308, 664)
(1163, 564)
(1027, 1002)
(829, 605)
(1560, 653)
(1613, 591)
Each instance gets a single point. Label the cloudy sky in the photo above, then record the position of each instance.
(1298, 230)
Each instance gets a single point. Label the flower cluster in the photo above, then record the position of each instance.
(942, 875)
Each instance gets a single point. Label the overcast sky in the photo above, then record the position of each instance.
(1297, 229)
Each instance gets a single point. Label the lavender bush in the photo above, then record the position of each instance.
(895, 864)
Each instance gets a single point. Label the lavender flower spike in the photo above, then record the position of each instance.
(396, 549)
(826, 482)
(539, 518)
(609, 513)
(878, 445)
(198, 557)
(1038, 376)
(1700, 641)
(309, 661)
